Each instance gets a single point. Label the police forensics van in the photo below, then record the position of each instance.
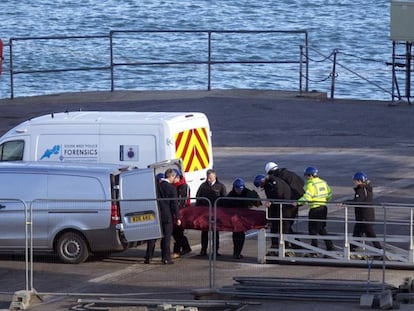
(130, 138)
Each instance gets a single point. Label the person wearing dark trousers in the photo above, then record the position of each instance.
(364, 212)
(276, 189)
(149, 254)
(318, 226)
(317, 194)
(168, 213)
(239, 191)
(296, 185)
(181, 244)
(211, 189)
(151, 243)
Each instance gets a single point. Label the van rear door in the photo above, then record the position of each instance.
(138, 205)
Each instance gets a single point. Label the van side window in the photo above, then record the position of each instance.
(12, 150)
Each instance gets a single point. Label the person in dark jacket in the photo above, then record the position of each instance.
(296, 184)
(238, 191)
(276, 188)
(211, 189)
(364, 213)
(181, 244)
(151, 243)
(169, 213)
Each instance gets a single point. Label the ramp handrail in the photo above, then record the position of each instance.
(393, 227)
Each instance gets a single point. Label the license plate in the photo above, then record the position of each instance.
(144, 217)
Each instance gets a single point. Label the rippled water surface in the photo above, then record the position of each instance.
(358, 29)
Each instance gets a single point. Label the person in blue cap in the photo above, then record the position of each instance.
(317, 194)
(364, 211)
(238, 192)
(159, 177)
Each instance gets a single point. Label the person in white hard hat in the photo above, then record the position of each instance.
(295, 183)
(278, 191)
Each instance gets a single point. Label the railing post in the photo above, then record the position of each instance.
(111, 64)
(11, 68)
(209, 63)
(333, 74)
(383, 247)
(261, 246)
(393, 73)
(300, 68)
(408, 46)
(281, 236)
(211, 239)
(307, 61)
(411, 250)
(346, 246)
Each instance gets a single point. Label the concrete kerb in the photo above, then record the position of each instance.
(121, 95)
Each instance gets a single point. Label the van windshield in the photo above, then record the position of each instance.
(12, 150)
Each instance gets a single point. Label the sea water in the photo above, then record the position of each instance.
(358, 30)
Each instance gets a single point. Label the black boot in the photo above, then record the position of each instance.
(186, 248)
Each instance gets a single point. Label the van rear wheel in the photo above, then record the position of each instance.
(72, 248)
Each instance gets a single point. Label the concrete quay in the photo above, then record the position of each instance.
(250, 128)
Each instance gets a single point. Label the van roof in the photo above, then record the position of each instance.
(64, 166)
(116, 116)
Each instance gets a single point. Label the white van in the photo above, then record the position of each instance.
(77, 209)
(130, 138)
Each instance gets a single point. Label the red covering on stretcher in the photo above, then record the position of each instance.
(228, 219)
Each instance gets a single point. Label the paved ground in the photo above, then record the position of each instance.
(249, 129)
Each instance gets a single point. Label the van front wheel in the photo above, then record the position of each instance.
(72, 248)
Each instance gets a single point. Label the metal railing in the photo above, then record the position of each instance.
(394, 230)
(333, 73)
(209, 61)
(27, 226)
(120, 49)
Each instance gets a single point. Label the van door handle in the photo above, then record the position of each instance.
(2, 206)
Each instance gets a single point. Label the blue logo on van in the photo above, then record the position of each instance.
(49, 152)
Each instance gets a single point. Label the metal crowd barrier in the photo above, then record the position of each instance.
(393, 226)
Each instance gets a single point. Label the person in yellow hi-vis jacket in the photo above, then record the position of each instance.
(317, 194)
